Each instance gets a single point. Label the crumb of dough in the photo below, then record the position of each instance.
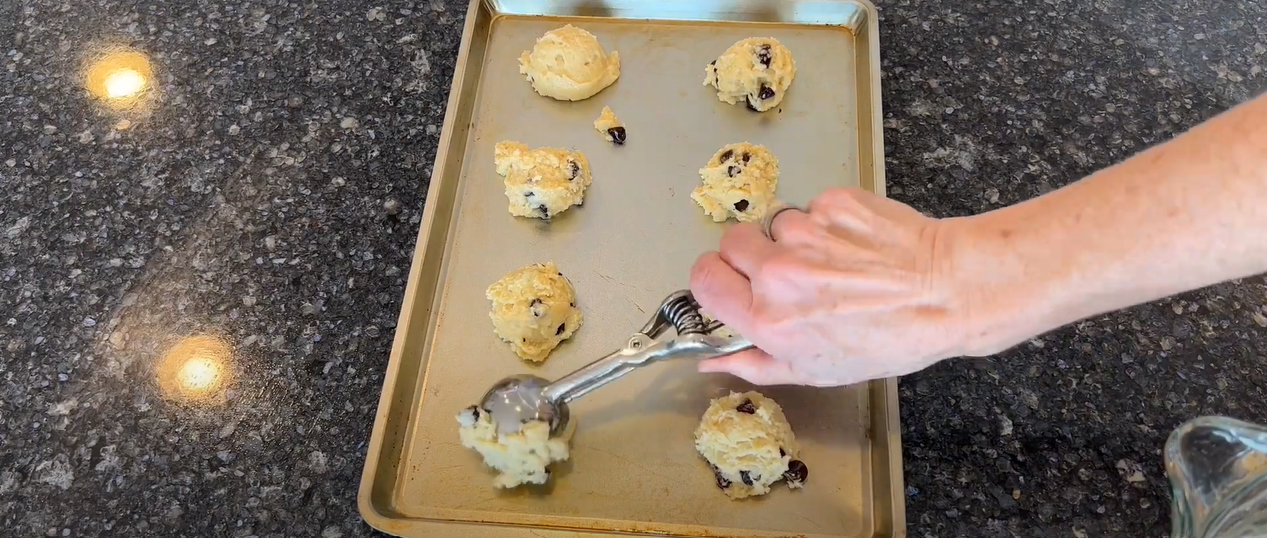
(610, 127)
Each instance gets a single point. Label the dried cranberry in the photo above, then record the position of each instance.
(722, 482)
(763, 55)
(618, 135)
(796, 472)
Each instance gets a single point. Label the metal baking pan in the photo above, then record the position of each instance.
(634, 469)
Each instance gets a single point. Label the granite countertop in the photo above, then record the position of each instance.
(258, 210)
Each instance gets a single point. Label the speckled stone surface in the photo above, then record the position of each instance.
(267, 194)
(991, 103)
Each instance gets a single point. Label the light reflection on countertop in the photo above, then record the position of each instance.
(122, 78)
(197, 369)
(203, 245)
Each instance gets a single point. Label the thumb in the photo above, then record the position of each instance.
(754, 366)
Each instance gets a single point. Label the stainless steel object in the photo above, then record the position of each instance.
(519, 399)
(633, 468)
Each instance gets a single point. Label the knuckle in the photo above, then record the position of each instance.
(704, 272)
(824, 200)
(839, 195)
(773, 275)
(841, 200)
(855, 193)
(761, 271)
(796, 231)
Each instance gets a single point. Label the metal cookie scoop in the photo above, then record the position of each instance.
(519, 399)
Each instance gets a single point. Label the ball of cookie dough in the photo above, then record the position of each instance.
(569, 64)
(541, 182)
(534, 309)
(738, 182)
(523, 457)
(749, 444)
(757, 71)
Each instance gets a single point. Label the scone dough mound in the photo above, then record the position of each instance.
(534, 308)
(610, 127)
(738, 182)
(541, 182)
(757, 71)
(519, 458)
(749, 444)
(569, 64)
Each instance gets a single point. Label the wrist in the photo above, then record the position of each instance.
(1001, 300)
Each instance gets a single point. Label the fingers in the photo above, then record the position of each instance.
(722, 291)
(840, 208)
(744, 247)
(754, 366)
(759, 368)
(793, 227)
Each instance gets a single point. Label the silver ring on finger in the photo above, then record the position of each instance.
(767, 222)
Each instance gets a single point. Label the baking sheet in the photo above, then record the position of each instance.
(633, 467)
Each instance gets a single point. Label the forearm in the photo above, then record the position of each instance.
(1179, 216)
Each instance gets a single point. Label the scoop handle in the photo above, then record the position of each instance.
(638, 352)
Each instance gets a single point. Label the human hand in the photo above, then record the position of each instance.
(856, 288)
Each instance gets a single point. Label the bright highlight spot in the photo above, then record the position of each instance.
(124, 83)
(196, 369)
(198, 374)
(119, 77)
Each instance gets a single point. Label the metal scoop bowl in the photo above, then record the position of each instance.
(520, 399)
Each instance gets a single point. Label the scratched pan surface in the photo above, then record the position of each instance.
(633, 468)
